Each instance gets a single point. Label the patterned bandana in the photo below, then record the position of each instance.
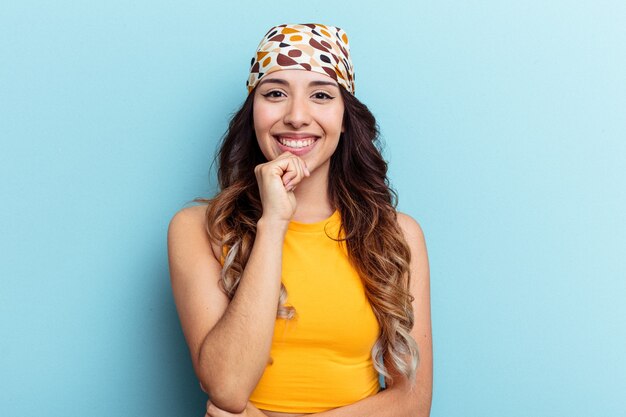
(309, 46)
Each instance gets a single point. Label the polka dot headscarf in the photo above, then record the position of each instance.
(308, 46)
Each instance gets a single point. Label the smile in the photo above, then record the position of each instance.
(296, 145)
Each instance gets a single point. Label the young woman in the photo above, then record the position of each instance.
(299, 284)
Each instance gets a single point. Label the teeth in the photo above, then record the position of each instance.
(296, 143)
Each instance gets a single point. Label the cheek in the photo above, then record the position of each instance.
(334, 124)
(263, 120)
(334, 120)
(264, 117)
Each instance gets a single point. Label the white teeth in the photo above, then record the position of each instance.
(296, 143)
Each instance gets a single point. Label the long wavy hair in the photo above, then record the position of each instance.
(359, 188)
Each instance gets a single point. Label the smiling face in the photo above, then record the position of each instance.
(301, 112)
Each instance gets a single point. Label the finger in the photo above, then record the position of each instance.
(290, 187)
(293, 172)
(297, 166)
(297, 171)
(215, 411)
(285, 164)
(299, 161)
(211, 410)
(305, 169)
(289, 177)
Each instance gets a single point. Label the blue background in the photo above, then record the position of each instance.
(505, 127)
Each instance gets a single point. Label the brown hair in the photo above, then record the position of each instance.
(359, 189)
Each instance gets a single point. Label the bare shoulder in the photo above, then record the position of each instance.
(187, 231)
(417, 243)
(411, 228)
(188, 217)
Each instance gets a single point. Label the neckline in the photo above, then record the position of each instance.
(314, 227)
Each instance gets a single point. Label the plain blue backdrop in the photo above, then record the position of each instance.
(504, 124)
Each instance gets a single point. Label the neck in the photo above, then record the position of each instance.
(313, 202)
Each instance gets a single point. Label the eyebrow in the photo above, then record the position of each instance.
(285, 82)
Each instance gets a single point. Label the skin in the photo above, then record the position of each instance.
(290, 102)
(292, 187)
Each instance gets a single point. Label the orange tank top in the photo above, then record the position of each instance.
(321, 359)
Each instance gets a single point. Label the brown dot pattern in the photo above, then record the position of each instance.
(309, 46)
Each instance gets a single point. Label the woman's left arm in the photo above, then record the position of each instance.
(399, 399)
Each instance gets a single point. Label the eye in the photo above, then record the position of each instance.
(273, 94)
(322, 96)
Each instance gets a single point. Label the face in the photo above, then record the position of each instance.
(301, 112)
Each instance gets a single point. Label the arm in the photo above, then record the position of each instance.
(230, 340)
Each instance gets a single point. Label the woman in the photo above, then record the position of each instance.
(299, 283)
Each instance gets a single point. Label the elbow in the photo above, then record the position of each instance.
(225, 392)
(226, 389)
(227, 400)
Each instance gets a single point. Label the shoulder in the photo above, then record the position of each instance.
(414, 237)
(187, 232)
(188, 217)
(410, 227)
(419, 273)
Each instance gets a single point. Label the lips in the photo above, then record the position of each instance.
(296, 144)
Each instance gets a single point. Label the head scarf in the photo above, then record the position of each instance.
(309, 46)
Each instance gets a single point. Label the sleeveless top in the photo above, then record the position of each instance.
(321, 358)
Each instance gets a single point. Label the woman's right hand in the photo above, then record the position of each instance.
(277, 179)
(250, 411)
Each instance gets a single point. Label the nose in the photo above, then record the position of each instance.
(297, 113)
